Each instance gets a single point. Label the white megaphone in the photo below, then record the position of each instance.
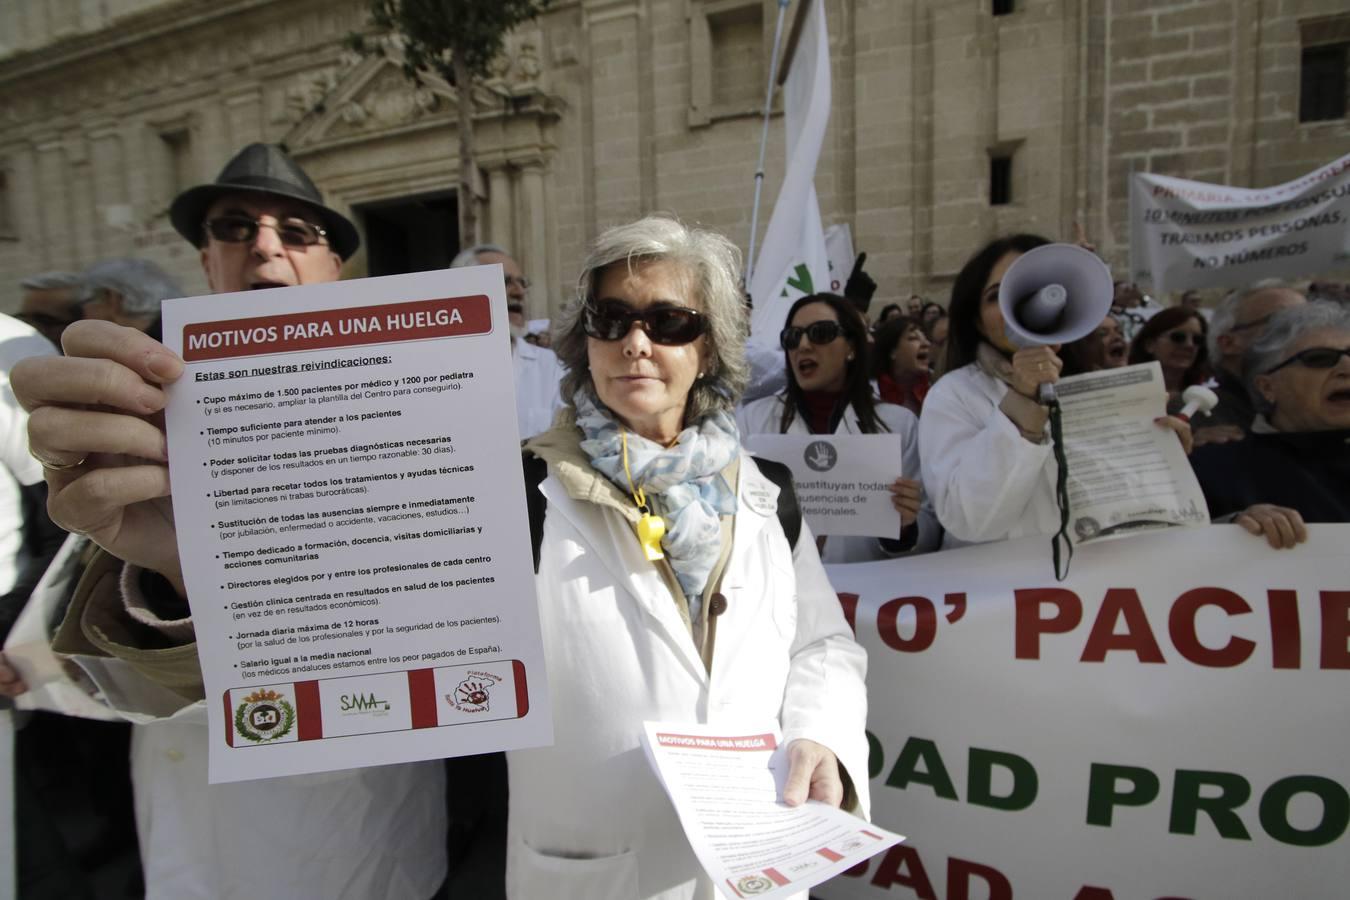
(1054, 294)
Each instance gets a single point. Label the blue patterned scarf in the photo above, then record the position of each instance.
(684, 483)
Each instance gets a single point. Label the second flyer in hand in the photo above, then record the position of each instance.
(351, 520)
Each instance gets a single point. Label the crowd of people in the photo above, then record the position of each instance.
(638, 409)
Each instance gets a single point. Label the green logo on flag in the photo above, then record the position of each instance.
(802, 281)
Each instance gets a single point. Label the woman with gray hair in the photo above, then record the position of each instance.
(668, 587)
(1293, 468)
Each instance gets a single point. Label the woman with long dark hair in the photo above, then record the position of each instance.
(1175, 338)
(829, 391)
(988, 461)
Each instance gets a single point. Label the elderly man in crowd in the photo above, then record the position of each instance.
(1293, 467)
(128, 291)
(1239, 322)
(536, 369)
(51, 302)
(369, 833)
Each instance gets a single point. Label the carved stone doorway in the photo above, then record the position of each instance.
(410, 234)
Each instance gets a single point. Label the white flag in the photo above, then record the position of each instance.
(792, 260)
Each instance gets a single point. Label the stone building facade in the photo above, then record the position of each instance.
(952, 121)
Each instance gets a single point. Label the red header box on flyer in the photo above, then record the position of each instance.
(330, 328)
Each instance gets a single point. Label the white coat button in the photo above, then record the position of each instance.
(174, 755)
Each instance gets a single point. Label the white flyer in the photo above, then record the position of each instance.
(725, 783)
(842, 480)
(351, 520)
(1126, 473)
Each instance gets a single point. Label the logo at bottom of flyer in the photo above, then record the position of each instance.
(474, 693)
(264, 715)
(755, 884)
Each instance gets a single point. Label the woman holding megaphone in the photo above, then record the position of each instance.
(984, 439)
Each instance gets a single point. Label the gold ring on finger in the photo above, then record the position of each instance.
(60, 467)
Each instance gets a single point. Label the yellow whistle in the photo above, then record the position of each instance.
(650, 530)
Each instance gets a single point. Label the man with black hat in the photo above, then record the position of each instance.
(97, 428)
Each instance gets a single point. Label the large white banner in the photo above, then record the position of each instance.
(792, 260)
(1188, 234)
(1170, 722)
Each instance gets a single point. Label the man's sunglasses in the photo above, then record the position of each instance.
(610, 320)
(1186, 337)
(234, 229)
(1314, 358)
(818, 333)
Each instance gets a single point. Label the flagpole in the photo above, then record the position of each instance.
(764, 136)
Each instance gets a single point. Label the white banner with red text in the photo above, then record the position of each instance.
(1189, 234)
(1169, 722)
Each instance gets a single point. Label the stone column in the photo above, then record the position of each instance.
(112, 214)
(53, 179)
(501, 223)
(81, 179)
(532, 253)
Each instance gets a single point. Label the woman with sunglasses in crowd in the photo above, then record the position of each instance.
(829, 391)
(988, 461)
(667, 587)
(1175, 337)
(1293, 467)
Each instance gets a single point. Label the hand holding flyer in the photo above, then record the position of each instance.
(726, 784)
(348, 500)
(1125, 473)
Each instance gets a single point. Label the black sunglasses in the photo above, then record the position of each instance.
(819, 333)
(610, 320)
(236, 229)
(1314, 358)
(1186, 337)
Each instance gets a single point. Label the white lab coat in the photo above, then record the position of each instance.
(355, 834)
(764, 416)
(537, 374)
(17, 468)
(985, 480)
(588, 818)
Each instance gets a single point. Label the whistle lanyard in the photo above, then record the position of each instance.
(650, 528)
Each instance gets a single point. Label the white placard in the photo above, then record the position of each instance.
(53, 684)
(1189, 234)
(842, 480)
(725, 781)
(351, 518)
(1127, 474)
(1170, 721)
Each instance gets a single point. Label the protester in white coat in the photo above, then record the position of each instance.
(536, 369)
(984, 437)
(95, 424)
(828, 391)
(730, 624)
